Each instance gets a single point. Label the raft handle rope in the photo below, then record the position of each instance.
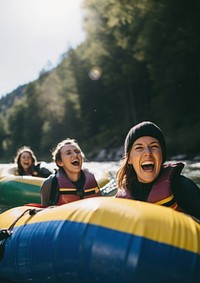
(109, 188)
(5, 233)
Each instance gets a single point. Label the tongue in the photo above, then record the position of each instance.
(148, 167)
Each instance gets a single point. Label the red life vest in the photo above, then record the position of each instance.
(68, 192)
(161, 192)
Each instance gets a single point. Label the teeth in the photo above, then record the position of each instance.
(147, 163)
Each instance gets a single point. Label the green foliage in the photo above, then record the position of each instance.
(3, 134)
(140, 61)
(16, 126)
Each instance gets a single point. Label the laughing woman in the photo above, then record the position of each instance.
(144, 176)
(70, 182)
(27, 164)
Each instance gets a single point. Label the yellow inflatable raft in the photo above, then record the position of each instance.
(99, 240)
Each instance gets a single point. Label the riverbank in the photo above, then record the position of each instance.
(116, 154)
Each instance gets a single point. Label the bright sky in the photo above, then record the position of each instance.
(33, 33)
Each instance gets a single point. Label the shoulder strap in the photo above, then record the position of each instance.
(54, 191)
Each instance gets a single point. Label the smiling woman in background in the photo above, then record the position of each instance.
(143, 175)
(70, 182)
(27, 164)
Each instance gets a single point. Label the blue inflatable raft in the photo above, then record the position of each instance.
(100, 239)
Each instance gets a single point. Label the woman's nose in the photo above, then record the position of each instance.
(147, 150)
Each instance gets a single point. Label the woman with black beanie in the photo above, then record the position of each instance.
(143, 175)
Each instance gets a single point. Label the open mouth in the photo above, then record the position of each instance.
(26, 164)
(148, 166)
(76, 163)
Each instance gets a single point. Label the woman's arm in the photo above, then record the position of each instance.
(45, 192)
(187, 194)
(42, 170)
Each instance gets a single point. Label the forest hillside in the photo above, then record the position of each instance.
(140, 61)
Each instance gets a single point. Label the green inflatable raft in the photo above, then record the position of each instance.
(20, 190)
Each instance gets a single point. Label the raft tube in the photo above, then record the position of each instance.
(101, 239)
(19, 190)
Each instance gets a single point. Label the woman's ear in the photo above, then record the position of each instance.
(129, 160)
(59, 163)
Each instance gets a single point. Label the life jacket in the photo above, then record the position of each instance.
(161, 192)
(67, 192)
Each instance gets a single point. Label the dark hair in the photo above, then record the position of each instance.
(18, 155)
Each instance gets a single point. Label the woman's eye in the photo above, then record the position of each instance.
(154, 146)
(138, 148)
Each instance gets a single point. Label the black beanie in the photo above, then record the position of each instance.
(142, 129)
